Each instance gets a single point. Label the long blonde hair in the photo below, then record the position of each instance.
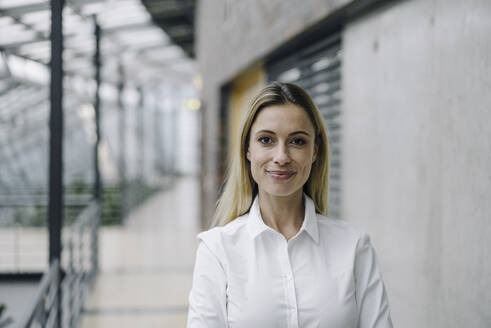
(240, 188)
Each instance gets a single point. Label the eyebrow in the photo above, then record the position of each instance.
(290, 134)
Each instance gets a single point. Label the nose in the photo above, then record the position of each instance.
(281, 156)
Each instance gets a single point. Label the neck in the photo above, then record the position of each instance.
(283, 214)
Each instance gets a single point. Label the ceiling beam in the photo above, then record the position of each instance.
(18, 11)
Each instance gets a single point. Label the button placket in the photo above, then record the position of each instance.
(289, 287)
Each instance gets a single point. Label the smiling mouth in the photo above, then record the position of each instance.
(281, 175)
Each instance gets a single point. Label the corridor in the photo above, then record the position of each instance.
(146, 265)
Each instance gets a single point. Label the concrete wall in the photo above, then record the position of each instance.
(417, 155)
(232, 36)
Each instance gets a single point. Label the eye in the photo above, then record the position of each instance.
(265, 140)
(298, 141)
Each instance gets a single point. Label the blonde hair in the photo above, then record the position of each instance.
(240, 188)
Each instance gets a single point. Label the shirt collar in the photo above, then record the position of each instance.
(256, 225)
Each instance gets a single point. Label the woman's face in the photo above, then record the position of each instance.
(281, 149)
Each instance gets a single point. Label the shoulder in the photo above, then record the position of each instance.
(338, 226)
(341, 232)
(218, 239)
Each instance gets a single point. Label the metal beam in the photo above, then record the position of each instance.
(18, 11)
(140, 134)
(55, 206)
(18, 44)
(122, 144)
(24, 9)
(97, 101)
(97, 178)
(129, 27)
(40, 199)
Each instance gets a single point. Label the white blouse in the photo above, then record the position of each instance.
(247, 275)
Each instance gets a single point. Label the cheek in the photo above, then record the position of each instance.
(254, 167)
(256, 156)
(304, 157)
(256, 162)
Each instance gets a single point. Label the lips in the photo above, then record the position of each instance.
(281, 175)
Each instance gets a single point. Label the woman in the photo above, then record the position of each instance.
(277, 260)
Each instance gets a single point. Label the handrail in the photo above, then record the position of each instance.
(86, 215)
(49, 278)
(76, 280)
(79, 273)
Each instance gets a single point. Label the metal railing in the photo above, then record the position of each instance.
(81, 264)
(44, 310)
(72, 279)
(24, 244)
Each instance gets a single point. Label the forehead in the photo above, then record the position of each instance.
(282, 118)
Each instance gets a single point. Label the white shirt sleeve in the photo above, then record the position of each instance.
(373, 307)
(207, 299)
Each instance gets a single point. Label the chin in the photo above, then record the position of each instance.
(281, 191)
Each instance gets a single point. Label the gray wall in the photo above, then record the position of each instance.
(417, 155)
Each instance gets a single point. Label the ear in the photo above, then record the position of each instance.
(248, 155)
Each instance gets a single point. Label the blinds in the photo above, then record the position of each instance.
(317, 69)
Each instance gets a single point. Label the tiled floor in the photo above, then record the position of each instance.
(146, 265)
